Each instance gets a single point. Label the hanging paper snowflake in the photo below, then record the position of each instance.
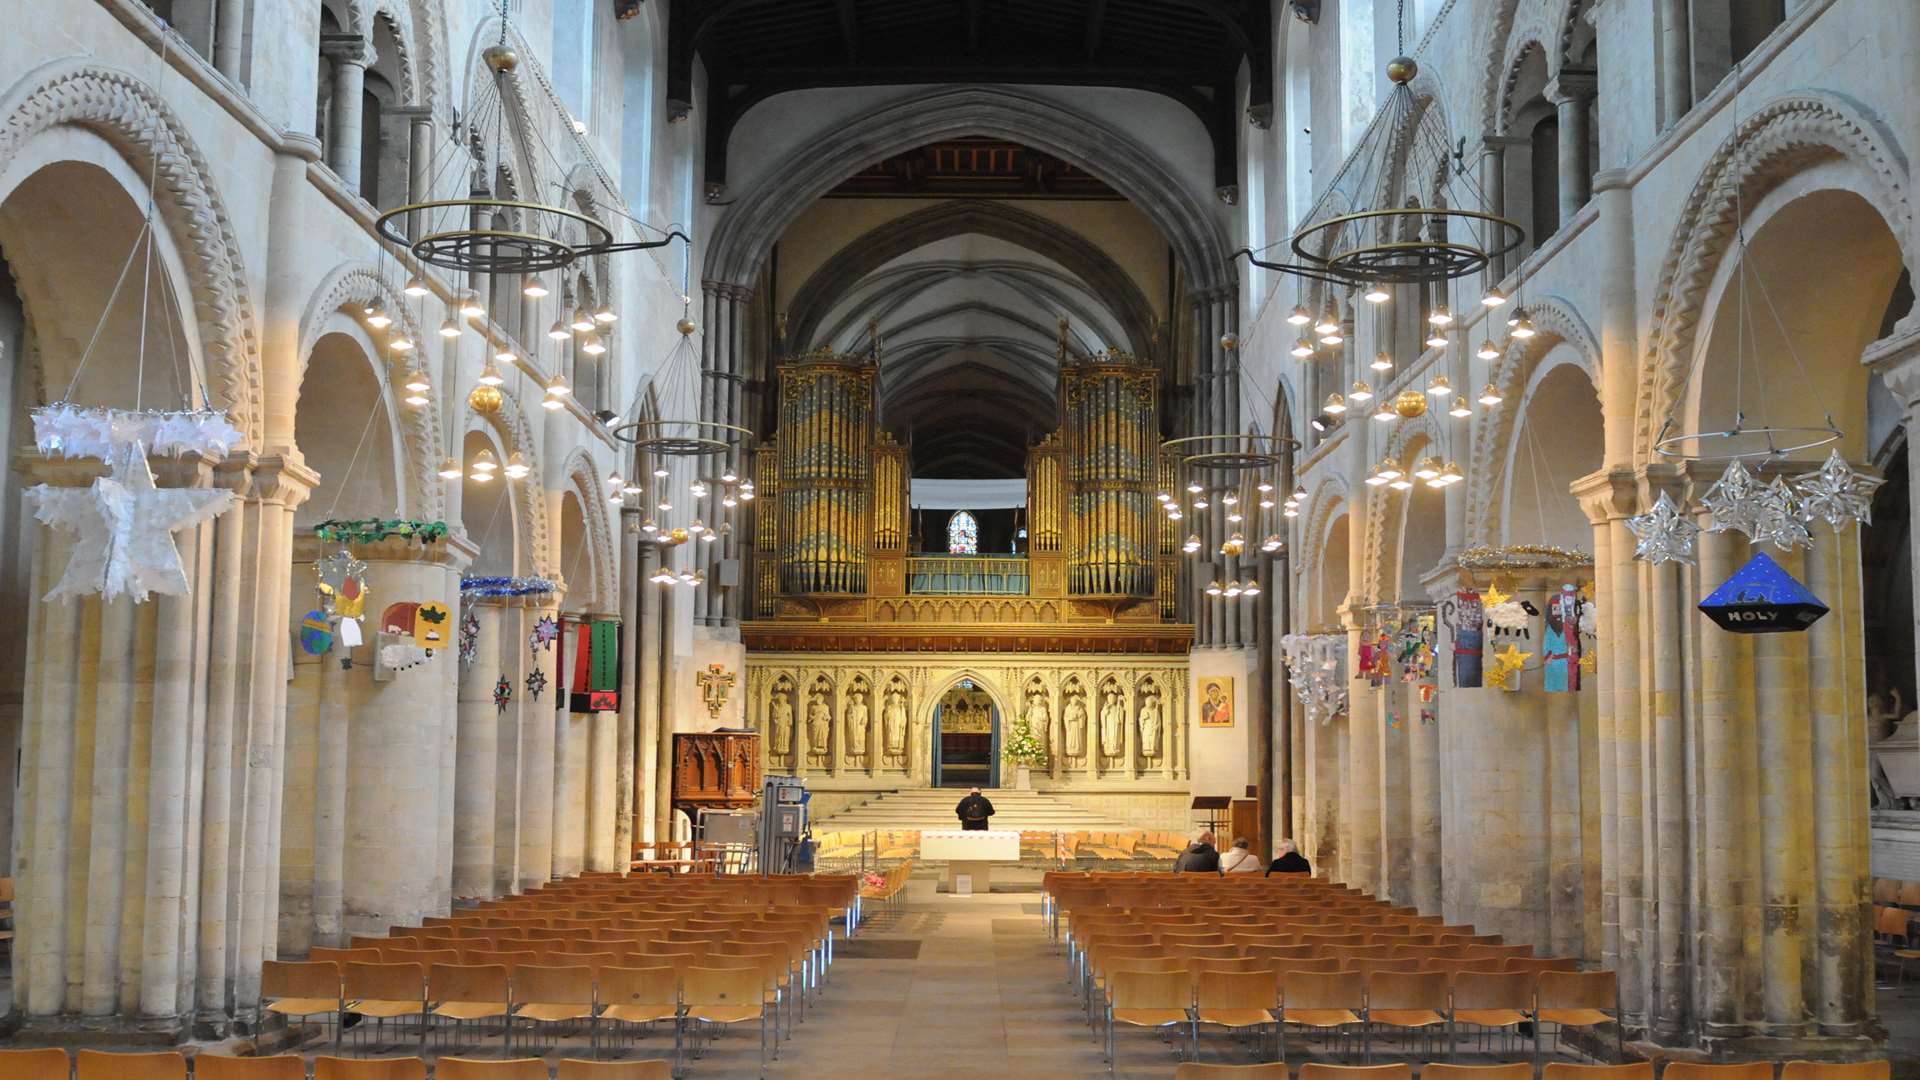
(1665, 534)
(125, 527)
(1837, 493)
(502, 694)
(1733, 500)
(536, 682)
(1778, 522)
(469, 636)
(545, 632)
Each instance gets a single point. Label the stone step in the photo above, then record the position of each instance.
(932, 808)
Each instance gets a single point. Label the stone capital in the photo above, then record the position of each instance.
(281, 480)
(1572, 85)
(1896, 359)
(1607, 495)
(347, 49)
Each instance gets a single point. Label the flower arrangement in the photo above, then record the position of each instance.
(873, 880)
(1022, 746)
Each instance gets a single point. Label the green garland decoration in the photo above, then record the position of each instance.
(375, 530)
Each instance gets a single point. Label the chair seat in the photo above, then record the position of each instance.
(304, 1006)
(1236, 1017)
(1575, 1017)
(1490, 1017)
(1405, 1017)
(723, 1014)
(381, 1010)
(470, 1010)
(553, 1013)
(1150, 1017)
(1320, 1017)
(1907, 954)
(639, 1014)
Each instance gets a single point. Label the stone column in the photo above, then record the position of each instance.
(653, 765)
(1493, 188)
(538, 732)
(476, 760)
(1572, 92)
(602, 753)
(420, 144)
(350, 55)
(629, 776)
(1392, 727)
(229, 37)
(1676, 61)
(1360, 864)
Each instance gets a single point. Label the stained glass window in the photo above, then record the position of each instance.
(963, 534)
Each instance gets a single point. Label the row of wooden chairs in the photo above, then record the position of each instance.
(52, 1063)
(1893, 892)
(887, 889)
(1639, 1070)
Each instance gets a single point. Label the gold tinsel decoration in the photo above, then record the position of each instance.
(1523, 557)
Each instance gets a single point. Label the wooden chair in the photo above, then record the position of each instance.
(638, 995)
(721, 996)
(340, 958)
(385, 992)
(338, 1068)
(1235, 999)
(1413, 1001)
(1562, 1070)
(1576, 999)
(545, 994)
(1697, 1070)
(468, 992)
(222, 1067)
(1833, 1070)
(1493, 1000)
(298, 989)
(1909, 893)
(1515, 1070)
(1150, 999)
(453, 1068)
(1314, 1070)
(102, 1065)
(579, 1069)
(1886, 890)
(46, 1063)
(1191, 1070)
(1327, 1001)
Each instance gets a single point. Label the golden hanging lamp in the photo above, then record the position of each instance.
(1410, 404)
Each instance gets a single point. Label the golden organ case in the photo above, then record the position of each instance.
(825, 464)
(1111, 422)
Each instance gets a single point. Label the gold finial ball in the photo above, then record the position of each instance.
(685, 326)
(501, 57)
(1401, 70)
(678, 536)
(1229, 342)
(1410, 403)
(485, 400)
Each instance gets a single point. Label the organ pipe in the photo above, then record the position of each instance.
(825, 446)
(1111, 408)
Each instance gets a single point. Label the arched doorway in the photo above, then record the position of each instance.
(966, 737)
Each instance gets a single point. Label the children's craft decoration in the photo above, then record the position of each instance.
(1762, 598)
(125, 528)
(342, 581)
(1562, 643)
(316, 633)
(502, 694)
(399, 654)
(1663, 533)
(432, 622)
(1413, 648)
(64, 429)
(469, 636)
(1465, 619)
(536, 682)
(1504, 674)
(506, 586)
(398, 619)
(375, 530)
(546, 630)
(1316, 666)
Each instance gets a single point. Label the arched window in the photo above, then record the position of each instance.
(963, 534)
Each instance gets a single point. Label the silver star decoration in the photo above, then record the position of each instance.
(1778, 520)
(1837, 493)
(125, 527)
(1733, 500)
(1665, 534)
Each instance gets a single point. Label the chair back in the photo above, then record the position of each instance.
(1193, 1070)
(222, 1067)
(1235, 989)
(340, 958)
(46, 1063)
(1493, 990)
(398, 1068)
(1513, 1070)
(701, 986)
(1134, 988)
(467, 982)
(1577, 990)
(103, 1065)
(638, 985)
(385, 982)
(1699, 1070)
(1407, 990)
(453, 1068)
(1561, 1070)
(582, 1069)
(1323, 990)
(1835, 1070)
(299, 979)
(1314, 1070)
(553, 985)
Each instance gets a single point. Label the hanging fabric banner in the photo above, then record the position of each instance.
(1563, 641)
(1467, 620)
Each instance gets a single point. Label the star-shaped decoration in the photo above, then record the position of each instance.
(1665, 534)
(125, 526)
(502, 694)
(1493, 597)
(1504, 674)
(1778, 522)
(536, 682)
(1734, 500)
(1837, 493)
(469, 637)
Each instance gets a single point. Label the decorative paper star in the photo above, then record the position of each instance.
(1837, 493)
(502, 694)
(1494, 597)
(545, 632)
(1505, 672)
(1665, 534)
(125, 528)
(1733, 500)
(1778, 522)
(536, 682)
(469, 637)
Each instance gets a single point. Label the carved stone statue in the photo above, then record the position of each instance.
(1113, 723)
(780, 720)
(1074, 718)
(1039, 718)
(857, 725)
(819, 724)
(1150, 724)
(893, 724)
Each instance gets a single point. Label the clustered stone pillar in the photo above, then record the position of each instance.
(726, 306)
(350, 56)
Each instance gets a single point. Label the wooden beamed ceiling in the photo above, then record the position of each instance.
(1186, 50)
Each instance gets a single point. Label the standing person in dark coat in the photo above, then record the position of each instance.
(1289, 861)
(974, 810)
(1199, 858)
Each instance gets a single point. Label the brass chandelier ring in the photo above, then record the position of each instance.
(682, 438)
(473, 248)
(1229, 452)
(1411, 261)
(1779, 442)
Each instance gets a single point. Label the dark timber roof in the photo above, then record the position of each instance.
(1187, 50)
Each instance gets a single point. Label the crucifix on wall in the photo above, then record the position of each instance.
(715, 683)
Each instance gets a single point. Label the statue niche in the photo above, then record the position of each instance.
(893, 724)
(780, 721)
(819, 722)
(1152, 722)
(1038, 717)
(1073, 717)
(1113, 722)
(857, 722)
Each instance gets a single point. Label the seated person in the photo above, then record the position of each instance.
(1200, 856)
(1240, 859)
(1288, 860)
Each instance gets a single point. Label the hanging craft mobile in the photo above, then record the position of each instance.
(125, 527)
(1316, 666)
(316, 633)
(1762, 598)
(469, 636)
(342, 582)
(375, 530)
(1465, 616)
(1664, 534)
(536, 682)
(401, 655)
(502, 694)
(1506, 614)
(545, 632)
(431, 623)
(1731, 500)
(70, 430)
(1563, 641)
(1837, 493)
(1505, 672)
